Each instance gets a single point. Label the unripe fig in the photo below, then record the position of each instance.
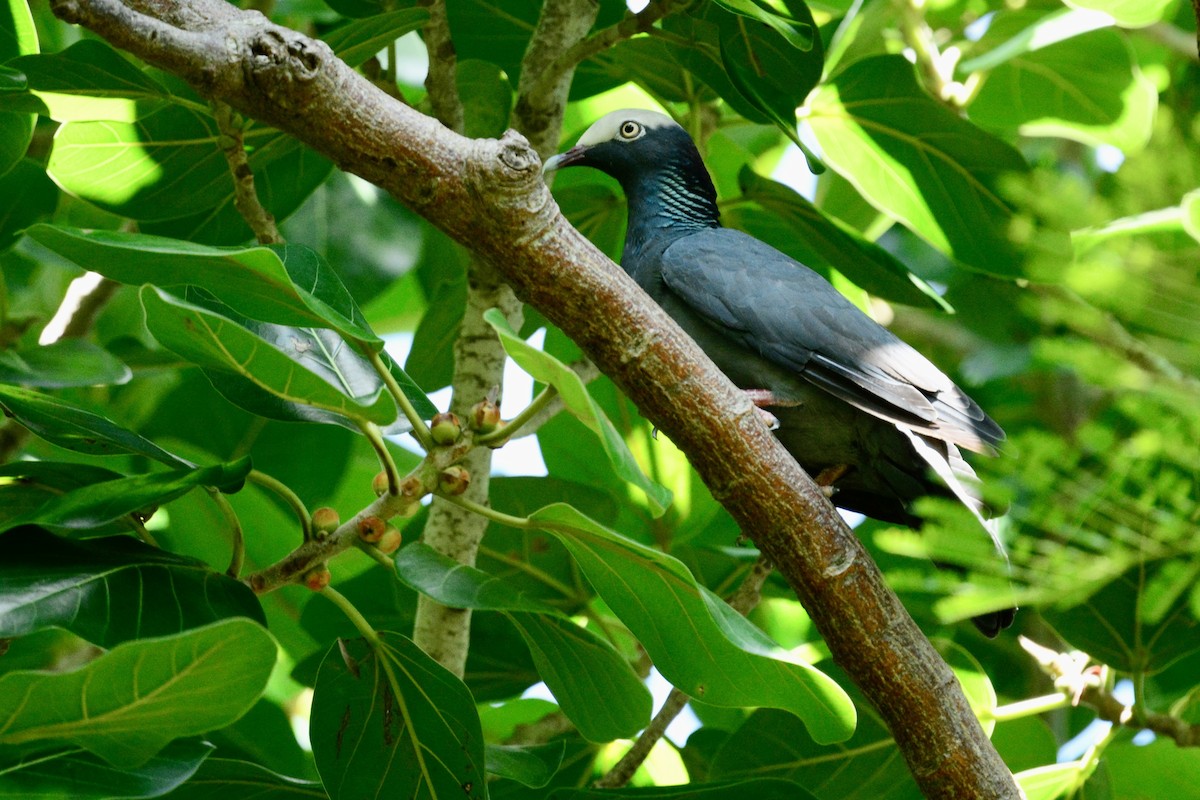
(325, 521)
(390, 541)
(318, 578)
(371, 529)
(485, 416)
(379, 484)
(445, 428)
(454, 480)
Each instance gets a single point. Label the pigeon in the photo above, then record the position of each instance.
(874, 421)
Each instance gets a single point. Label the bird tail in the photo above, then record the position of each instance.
(957, 476)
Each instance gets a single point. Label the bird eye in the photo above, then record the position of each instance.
(630, 130)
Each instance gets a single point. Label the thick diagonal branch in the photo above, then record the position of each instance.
(488, 195)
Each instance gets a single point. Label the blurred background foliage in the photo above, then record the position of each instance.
(1011, 187)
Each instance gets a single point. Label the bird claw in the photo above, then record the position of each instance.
(826, 478)
(769, 419)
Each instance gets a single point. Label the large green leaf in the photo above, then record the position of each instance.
(91, 81)
(915, 159)
(1159, 769)
(549, 370)
(215, 342)
(223, 778)
(79, 775)
(766, 66)
(88, 588)
(576, 665)
(26, 195)
(284, 284)
(360, 39)
(1115, 625)
(75, 428)
(94, 505)
(796, 29)
(697, 642)
(67, 362)
(129, 703)
(1088, 88)
(18, 37)
(395, 723)
(868, 766)
(819, 241)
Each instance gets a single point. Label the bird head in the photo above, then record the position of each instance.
(651, 156)
(627, 142)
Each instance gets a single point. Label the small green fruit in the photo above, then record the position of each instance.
(445, 428)
(379, 484)
(390, 541)
(325, 521)
(485, 416)
(454, 480)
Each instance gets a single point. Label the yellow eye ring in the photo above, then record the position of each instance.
(630, 130)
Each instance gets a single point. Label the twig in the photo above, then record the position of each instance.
(442, 81)
(285, 493)
(245, 197)
(420, 430)
(743, 601)
(238, 558)
(1080, 683)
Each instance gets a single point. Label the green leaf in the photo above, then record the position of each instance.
(223, 778)
(579, 667)
(532, 765)
(698, 643)
(973, 678)
(1009, 36)
(218, 343)
(799, 33)
(97, 504)
(769, 68)
(459, 586)
(26, 195)
(284, 284)
(867, 766)
(1127, 13)
(761, 789)
(88, 587)
(576, 665)
(1112, 626)
(818, 241)
(549, 370)
(80, 775)
(77, 429)
(67, 362)
(487, 98)
(91, 81)
(395, 723)
(1088, 88)
(1159, 769)
(1051, 781)
(129, 703)
(360, 39)
(915, 159)
(18, 37)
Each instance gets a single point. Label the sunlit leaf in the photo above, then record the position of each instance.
(131, 702)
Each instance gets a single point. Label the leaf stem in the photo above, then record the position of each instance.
(238, 558)
(1029, 707)
(284, 493)
(529, 412)
(355, 616)
(419, 429)
(520, 523)
(375, 437)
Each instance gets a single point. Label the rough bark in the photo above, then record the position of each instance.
(489, 195)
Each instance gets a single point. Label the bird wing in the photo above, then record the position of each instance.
(777, 307)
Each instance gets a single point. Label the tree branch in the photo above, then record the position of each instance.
(442, 81)
(488, 194)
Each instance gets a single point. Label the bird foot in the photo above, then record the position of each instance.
(769, 419)
(765, 397)
(826, 478)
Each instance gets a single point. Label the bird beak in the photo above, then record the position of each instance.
(565, 159)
